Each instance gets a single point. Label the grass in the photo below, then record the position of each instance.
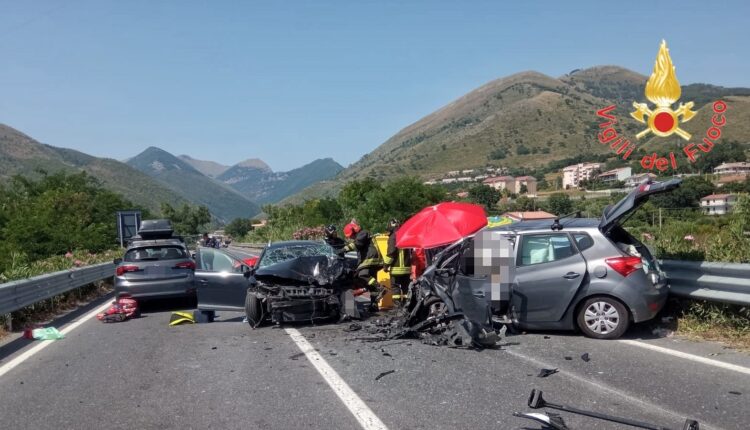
(701, 320)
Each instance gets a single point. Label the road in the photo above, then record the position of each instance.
(145, 374)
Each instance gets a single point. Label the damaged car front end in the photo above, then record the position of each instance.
(445, 311)
(297, 281)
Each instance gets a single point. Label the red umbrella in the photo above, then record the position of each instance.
(441, 224)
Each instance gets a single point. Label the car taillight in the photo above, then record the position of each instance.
(624, 265)
(121, 270)
(185, 265)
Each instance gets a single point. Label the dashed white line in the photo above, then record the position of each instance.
(7, 367)
(696, 358)
(362, 413)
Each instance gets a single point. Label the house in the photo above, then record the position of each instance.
(636, 180)
(501, 183)
(465, 179)
(741, 168)
(573, 175)
(529, 182)
(529, 215)
(448, 180)
(718, 204)
(615, 175)
(462, 194)
(726, 179)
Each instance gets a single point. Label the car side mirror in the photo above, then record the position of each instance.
(117, 260)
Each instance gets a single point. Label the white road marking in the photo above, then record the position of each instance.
(7, 367)
(696, 358)
(362, 413)
(600, 386)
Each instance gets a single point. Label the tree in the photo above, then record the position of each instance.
(239, 227)
(57, 213)
(559, 204)
(484, 195)
(187, 220)
(523, 204)
(524, 189)
(688, 195)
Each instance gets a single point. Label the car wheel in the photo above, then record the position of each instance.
(253, 310)
(603, 318)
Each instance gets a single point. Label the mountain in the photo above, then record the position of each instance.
(22, 155)
(224, 202)
(256, 181)
(527, 120)
(208, 168)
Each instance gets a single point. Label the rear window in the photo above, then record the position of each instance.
(156, 253)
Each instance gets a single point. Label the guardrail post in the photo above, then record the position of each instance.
(9, 322)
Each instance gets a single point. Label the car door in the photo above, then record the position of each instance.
(220, 281)
(549, 271)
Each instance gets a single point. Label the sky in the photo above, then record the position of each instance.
(293, 81)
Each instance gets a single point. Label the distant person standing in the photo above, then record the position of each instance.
(206, 241)
(368, 260)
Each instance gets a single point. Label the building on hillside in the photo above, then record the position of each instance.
(467, 172)
(453, 173)
(718, 204)
(501, 183)
(573, 175)
(529, 215)
(726, 179)
(481, 177)
(529, 182)
(635, 180)
(465, 179)
(448, 180)
(430, 182)
(614, 175)
(741, 168)
(462, 194)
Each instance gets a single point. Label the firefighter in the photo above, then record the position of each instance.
(368, 260)
(398, 264)
(333, 240)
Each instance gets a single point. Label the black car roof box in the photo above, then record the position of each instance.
(155, 229)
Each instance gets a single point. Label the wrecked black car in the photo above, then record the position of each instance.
(297, 281)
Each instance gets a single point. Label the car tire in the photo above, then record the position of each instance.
(603, 318)
(253, 310)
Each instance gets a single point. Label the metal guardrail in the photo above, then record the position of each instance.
(18, 294)
(719, 282)
(251, 246)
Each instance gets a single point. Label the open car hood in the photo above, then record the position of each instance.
(319, 270)
(618, 212)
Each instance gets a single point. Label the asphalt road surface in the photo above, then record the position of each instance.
(144, 374)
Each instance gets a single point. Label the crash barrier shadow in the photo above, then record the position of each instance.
(703, 280)
(19, 343)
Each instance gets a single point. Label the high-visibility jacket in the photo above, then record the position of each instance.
(399, 260)
(366, 250)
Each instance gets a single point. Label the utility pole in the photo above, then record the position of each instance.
(659, 219)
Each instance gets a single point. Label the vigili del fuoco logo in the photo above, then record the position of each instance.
(663, 91)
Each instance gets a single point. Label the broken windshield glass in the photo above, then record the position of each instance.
(286, 253)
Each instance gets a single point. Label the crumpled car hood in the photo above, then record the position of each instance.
(317, 270)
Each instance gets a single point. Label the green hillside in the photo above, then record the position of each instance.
(177, 175)
(528, 120)
(22, 155)
(260, 184)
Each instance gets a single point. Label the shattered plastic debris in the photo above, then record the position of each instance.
(354, 327)
(736, 393)
(662, 332)
(568, 358)
(585, 357)
(296, 356)
(546, 372)
(382, 374)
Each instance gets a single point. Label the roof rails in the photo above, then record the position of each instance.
(557, 226)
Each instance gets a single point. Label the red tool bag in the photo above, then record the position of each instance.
(120, 310)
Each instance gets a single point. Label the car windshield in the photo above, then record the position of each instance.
(285, 253)
(155, 253)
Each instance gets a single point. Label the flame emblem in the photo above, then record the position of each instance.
(663, 90)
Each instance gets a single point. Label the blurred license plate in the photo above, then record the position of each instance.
(156, 270)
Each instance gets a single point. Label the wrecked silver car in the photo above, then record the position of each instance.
(297, 281)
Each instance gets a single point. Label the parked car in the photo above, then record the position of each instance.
(583, 273)
(155, 265)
